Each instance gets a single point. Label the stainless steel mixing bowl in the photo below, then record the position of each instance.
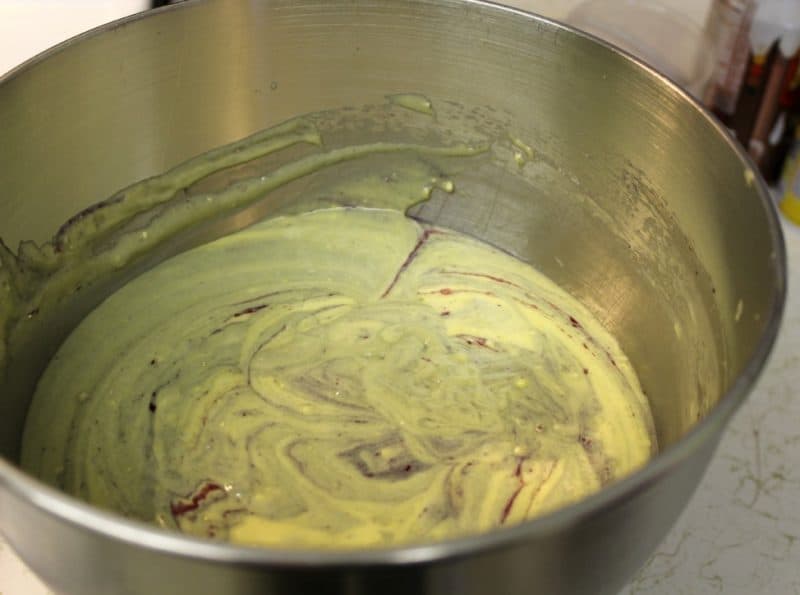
(634, 200)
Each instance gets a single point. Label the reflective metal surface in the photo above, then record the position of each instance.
(634, 200)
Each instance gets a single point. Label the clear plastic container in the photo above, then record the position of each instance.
(729, 26)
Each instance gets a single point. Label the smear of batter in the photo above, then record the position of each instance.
(342, 378)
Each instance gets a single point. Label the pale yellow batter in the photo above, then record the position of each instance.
(342, 378)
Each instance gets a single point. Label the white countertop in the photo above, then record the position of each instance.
(740, 534)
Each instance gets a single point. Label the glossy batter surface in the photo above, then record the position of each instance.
(342, 378)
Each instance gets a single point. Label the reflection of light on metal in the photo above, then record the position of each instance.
(227, 65)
